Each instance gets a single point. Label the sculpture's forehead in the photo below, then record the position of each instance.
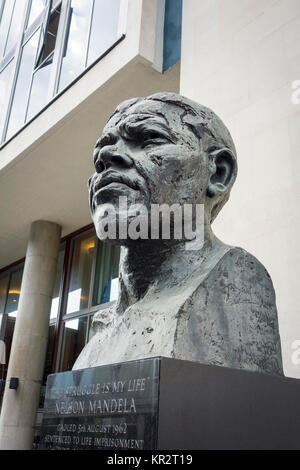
(145, 108)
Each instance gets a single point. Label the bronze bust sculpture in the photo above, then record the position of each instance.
(214, 305)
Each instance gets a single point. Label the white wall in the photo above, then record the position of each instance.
(240, 57)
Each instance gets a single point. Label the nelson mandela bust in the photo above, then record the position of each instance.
(214, 305)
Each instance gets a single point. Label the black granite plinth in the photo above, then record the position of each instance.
(164, 403)
(107, 407)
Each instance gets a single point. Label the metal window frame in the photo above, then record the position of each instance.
(2, 3)
(55, 320)
(59, 321)
(59, 48)
(92, 275)
(4, 316)
(24, 44)
(64, 42)
(25, 35)
(89, 35)
(63, 316)
(12, 81)
(53, 92)
(9, 26)
(86, 312)
(42, 22)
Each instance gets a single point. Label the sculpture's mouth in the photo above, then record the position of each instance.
(112, 184)
(113, 180)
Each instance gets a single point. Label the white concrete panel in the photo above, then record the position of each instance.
(240, 59)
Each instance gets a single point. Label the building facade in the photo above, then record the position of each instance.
(64, 67)
(66, 64)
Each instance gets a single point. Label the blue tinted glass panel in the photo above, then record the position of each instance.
(5, 76)
(3, 291)
(37, 6)
(79, 286)
(18, 111)
(106, 286)
(104, 31)
(73, 62)
(57, 285)
(5, 23)
(39, 90)
(16, 23)
(14, 291)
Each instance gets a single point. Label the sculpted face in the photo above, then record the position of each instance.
(148, 155)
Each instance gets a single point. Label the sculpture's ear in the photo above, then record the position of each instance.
(224, 171)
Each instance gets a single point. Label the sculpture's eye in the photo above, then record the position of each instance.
(154, 138)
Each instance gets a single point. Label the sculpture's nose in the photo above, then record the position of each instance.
(110, 152)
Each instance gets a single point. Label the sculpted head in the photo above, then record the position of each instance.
(164, 149)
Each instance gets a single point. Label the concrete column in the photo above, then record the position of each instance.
(30, 338)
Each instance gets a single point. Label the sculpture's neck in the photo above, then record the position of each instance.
(145, 264)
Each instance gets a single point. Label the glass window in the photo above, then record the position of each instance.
(80, 276)
(15, 26)
(74, 339)
(37, 6)
(49, 42)
(18, 110)
(40, 82)
(48, 363)
(13, 296)
(5, 23)
(104, 28)
(73, 62)
(3, 291)
(107, 274)
(1, 9)
(9, 333)
(91, 331)
(56, 290)
(39, 90)
(5, 76)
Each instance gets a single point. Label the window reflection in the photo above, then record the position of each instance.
(74, 340)
(18, 111)
(76, 42)
(39, 90)
(107, 274)
(5, 76)
(15, 26)
(14, 291)
(48, 363)
(104, 29)
(9, 333)
(79, 286)
(91, 331)
(40, 82)
(3, 291)
(91, 28)
(56, 290)
(37, 6)
(49, 41)
(5, 23)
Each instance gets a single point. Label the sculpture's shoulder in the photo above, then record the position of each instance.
(103, 318)
(231, 318)
(238, 265)
(241, 281)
